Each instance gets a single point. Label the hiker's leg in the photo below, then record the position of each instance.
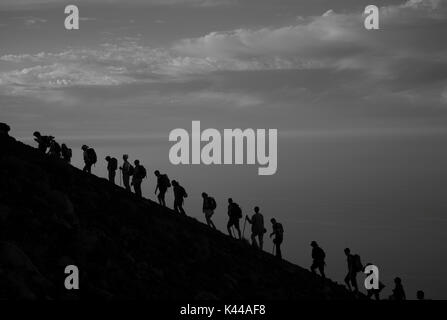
(253, 240)
(354, 281)
(176, 206)
(208, 219)
(182, 211)
(313, 267)
(261, 241)
(278, 249)
(236, 225)
(348, 281)
(162, 197)
(229, 228)
(321, 268)
(126, 182)
(139, 189)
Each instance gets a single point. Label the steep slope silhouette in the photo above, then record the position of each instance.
(53, 215)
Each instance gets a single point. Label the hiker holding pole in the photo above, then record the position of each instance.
(257, 228)
(278, 232)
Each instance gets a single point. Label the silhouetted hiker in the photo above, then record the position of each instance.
(179, 197)
(278, 232)
(139, 174)
(163, 184)
(89, 158)
(43, 142)
(112, 166)
(374, 292)
(354, 267)
(234, 214)
(398, 291)
(257, 228)
(318, 256)
(66, 153)
(4, 129)
(420, 295)
(209, 205)
(55, 149)
(127, 171)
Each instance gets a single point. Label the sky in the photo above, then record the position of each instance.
(361, 114)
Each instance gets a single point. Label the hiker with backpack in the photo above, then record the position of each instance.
(257, 228)
(89, 158)
(209, 205)
(66, 153)
(278, 232)
(234, 214)
(398, 291)
(43, 142)
(112, 166)
(139, 174)
(318, 256)
(354, 266)
(179, 197)
(163, 184)
(126, 171)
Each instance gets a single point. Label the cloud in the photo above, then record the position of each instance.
(31, 21)
(398, 56)
(46, 82)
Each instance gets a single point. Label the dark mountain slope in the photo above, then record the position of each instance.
(53, 215)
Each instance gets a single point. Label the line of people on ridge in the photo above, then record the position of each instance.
(133, 175)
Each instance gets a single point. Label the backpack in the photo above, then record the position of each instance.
(183, 191)
(357, 263)
(142, 172)
(131, 170)
(279, 229)
(237, 211)
(320, 254)
(212, 203)
(91, 154)
(165, 182)
(69, 153)
(113, 164)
